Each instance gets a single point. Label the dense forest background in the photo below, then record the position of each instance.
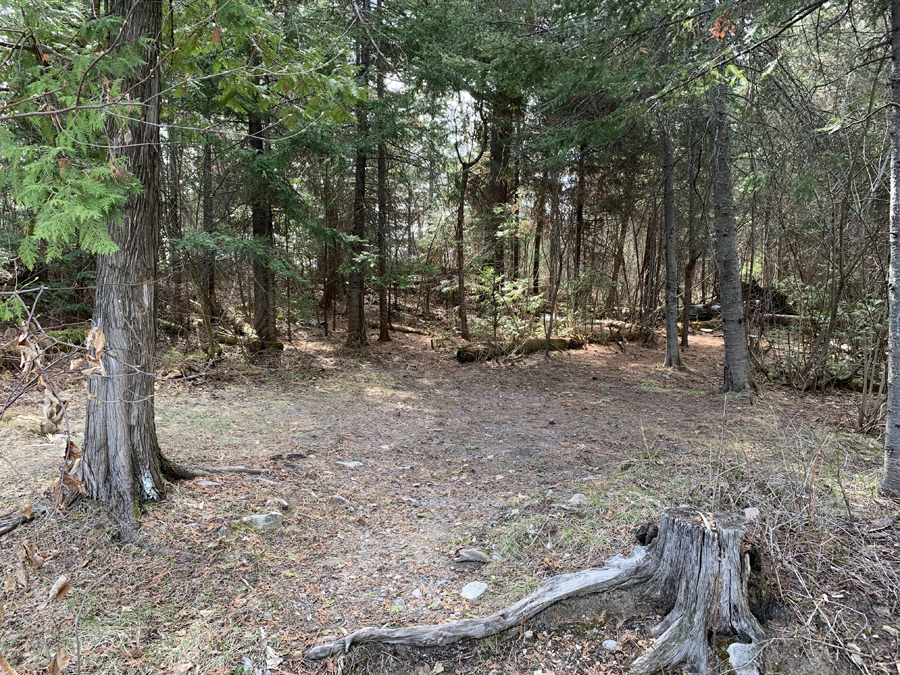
(496, 166)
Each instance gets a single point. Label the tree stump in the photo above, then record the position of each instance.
(695, 573)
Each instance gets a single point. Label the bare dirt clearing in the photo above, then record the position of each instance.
(385, 461)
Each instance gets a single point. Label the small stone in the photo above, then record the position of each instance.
(266, 521)
(441, 582)
(399, 603)
(208, 483)
(343, 501)
(417, 593)
(230, 557)
(610, 645)
(350, 465)
(577, 499)
(223, 530)
(497, 557)
(471, 555)
(528, 634)
(473, 590)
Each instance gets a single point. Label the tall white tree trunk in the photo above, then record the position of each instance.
(890, 483)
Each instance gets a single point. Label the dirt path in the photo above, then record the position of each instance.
(384, 463)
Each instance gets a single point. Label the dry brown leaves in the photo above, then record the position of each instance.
(59, 662)
(5, 668)
(30, 353)
(68, 481)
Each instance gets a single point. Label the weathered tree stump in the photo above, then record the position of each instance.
(695, 573)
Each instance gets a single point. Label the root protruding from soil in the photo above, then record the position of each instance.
(695, 573)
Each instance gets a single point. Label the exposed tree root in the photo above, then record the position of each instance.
(178, 472)
(696, 573)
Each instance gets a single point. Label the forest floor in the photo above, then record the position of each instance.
(387, 460)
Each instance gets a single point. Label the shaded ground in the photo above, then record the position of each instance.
(451, 456)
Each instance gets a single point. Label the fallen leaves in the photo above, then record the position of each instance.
(60, 588)
(5, 668)
(59, 662)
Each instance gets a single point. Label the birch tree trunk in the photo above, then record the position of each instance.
(890, 483)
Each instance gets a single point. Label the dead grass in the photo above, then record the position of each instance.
(480, 455)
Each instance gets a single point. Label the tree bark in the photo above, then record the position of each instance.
(538, 217)
(356, 311)
(122, 463)
(498, 175)
(460, 255)
(579, 211)
(208, 259)
(695, 572)
(693, 251)
(890, 483)
(330, 271)
(673, 357)
(384, 334)
(738, 373)
(264, 232)
(176, 265)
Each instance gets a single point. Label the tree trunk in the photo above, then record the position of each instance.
(612, 298)
(356, 311)
(673, 358)
(498, 176)
(693, 252)
(538, 217)
(122, 463)
(264, 233)
(208, 260)
(579, 211)
(738, 374)
(384, 334)
(516, 239)
(695, 572)
(330, 272)
(460, 259)
(890, 483)
(176, 265)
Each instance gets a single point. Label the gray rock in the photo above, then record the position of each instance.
(343, 501)
(208, 483)
(610, 645)
(399, 603)
(469, 560)
(417, 593)
(350, 465)
(577, 499)
(474, 590)
(471, 555)
(265, 521)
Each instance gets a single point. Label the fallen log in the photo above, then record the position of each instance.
(11, 521)
(471, 353)
(695, 573)
(397, 328)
